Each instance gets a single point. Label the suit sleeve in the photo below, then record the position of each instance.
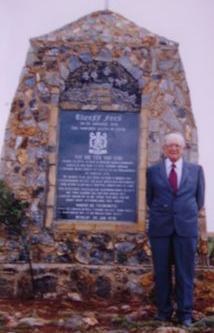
(200, 195)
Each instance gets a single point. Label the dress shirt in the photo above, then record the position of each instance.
(178, 168)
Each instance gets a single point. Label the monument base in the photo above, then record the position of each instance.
(82, 282)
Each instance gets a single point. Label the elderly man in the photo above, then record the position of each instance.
(175, 194)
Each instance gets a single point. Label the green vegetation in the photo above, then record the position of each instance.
(14, 218)
(12, 211)
(211, 249)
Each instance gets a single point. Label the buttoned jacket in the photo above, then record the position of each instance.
(168, 211)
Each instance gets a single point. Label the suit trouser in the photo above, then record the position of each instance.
(181, 252)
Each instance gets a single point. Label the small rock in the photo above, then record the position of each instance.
(108, 317)
(90, 320)
(125, 247)
(82, 256)
(61, 322)
(75, 296)
(205, 322)
(30, 82)
(43, 126)
(134, 316)
(18, 314)
(103, 287)
(126, 308)
(105, 55)
(112, 309)
(46, 239)
(22, 156)
(86, 57)
(19, 141)
(165, 64)
(74, 323)
(134, 287)
(31, 321)
(3, 317)
(116, 331)
(170, 329)
(63, 71)
(87, 245)
(97, 255)
(49, 296)
(74, 63)
(31, 58)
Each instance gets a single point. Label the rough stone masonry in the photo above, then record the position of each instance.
(101, 62)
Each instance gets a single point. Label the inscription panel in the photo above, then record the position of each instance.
(97, 166)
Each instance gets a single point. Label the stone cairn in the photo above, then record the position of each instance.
(100, 62)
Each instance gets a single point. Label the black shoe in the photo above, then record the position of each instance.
(186, 323)
(161, 318)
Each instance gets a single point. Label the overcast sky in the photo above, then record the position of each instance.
(188, 22)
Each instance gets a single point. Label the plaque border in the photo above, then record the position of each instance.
(53, 141)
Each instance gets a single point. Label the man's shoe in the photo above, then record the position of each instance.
(186, 323)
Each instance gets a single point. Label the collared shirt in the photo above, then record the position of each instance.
(178, 169)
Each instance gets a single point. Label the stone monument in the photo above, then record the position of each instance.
(93, 104)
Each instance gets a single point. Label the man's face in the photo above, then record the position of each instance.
(173, 150)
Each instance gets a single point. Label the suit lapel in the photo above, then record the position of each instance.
(185, 174)
(163, 174)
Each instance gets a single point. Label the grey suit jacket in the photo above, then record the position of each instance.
(178, 212)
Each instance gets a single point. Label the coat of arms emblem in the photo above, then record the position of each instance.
(98, 143)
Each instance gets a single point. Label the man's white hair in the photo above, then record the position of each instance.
(174, 137)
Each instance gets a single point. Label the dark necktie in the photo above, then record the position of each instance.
(173, 178)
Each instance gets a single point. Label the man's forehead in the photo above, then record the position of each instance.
(174, 141)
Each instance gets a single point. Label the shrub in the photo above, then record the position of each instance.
(14, 218)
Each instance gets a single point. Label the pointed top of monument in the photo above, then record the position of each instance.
(102, 26)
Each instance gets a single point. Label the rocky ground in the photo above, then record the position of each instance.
(66, 315)
(43, 316)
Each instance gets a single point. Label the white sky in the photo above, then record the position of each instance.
(188, 22)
